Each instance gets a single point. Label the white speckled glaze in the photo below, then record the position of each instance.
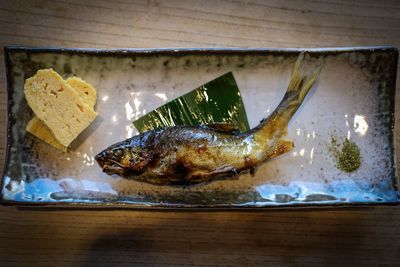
(353, 98)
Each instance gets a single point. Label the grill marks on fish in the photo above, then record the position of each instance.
(190, 155)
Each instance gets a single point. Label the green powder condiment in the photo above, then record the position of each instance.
(347, 155)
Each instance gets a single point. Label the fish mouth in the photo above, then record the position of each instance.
(108, 165)
(112, 169)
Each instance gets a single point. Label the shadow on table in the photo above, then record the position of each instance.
(288, 238)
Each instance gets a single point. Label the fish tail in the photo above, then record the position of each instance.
(300, 84)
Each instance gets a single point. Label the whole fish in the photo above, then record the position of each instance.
(188, 155)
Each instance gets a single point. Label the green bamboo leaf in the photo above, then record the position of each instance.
(216, 101)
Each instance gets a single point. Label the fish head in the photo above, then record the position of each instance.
(129, 157)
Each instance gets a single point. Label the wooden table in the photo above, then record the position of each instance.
(362, 236)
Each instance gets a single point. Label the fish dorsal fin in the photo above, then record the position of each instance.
(223, 127)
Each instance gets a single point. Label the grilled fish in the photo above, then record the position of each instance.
(188, 155)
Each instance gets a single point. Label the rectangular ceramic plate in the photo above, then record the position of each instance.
(354, 98)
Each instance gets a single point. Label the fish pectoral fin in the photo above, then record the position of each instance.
(282, 146)
(222, 127)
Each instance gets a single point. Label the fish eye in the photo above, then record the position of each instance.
(118, 153)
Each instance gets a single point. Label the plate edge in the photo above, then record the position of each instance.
(7, 136)
(202, 50)
(179, 207)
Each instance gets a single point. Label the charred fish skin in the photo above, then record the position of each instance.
(184, 155)
(175, 155)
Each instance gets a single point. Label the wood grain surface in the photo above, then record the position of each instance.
(356, 237)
